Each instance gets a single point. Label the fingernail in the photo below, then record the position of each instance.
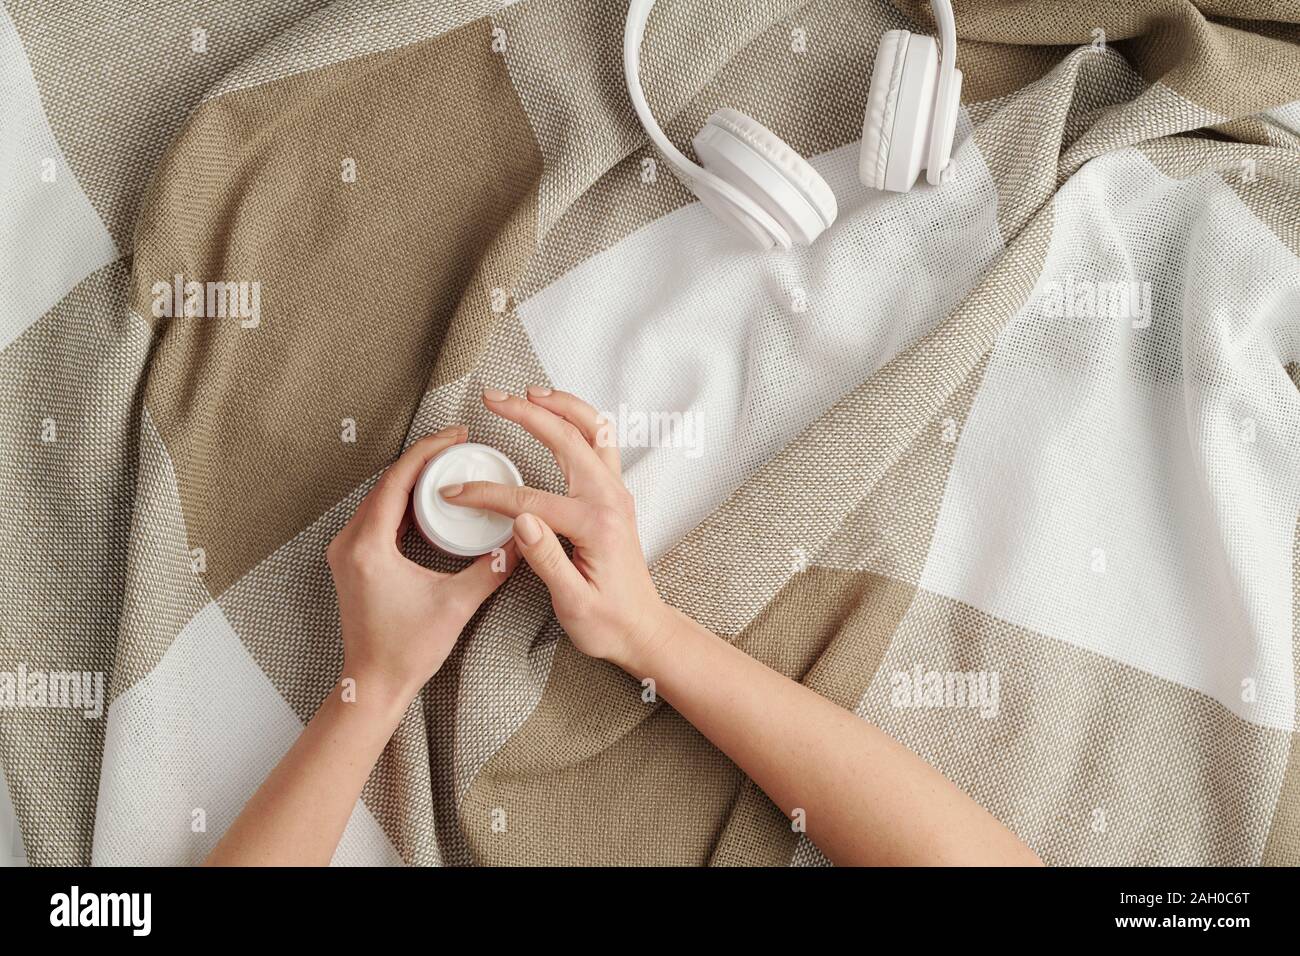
(451, 491)
(541, 391)
(494, 395)
(528, 529)
(452, 430)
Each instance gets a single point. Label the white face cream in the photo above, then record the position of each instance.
(465, 532)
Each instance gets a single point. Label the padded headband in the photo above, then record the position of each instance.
(638, 12)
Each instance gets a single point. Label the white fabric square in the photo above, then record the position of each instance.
(50, 236)
(201, 731)
(682, 317)
(1135, 490)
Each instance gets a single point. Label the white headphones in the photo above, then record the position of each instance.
(763, 189)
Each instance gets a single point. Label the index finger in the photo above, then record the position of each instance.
(382, 510)
(568, 516)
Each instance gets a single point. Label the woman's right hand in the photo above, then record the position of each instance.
(603, 597)
(867, 799)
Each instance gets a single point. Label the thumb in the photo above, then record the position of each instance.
(476, 582)
(545, 555)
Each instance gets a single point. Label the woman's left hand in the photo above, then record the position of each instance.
(401, 619)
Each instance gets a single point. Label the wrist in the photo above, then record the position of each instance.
(372, 691)
(647, 642)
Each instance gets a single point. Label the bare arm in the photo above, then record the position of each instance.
(399, 623)
(866, 797)
(297, 816)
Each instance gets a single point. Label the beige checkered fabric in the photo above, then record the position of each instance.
(172, 483)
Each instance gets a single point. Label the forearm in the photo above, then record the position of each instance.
(298, 815)
(866, 798)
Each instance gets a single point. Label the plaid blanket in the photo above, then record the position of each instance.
(1010, 467)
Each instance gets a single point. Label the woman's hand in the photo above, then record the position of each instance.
(865, 797)
(604, 597)
(400, 619)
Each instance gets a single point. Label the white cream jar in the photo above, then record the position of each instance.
(464, 532)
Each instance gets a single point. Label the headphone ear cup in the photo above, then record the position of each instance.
(739, 212)
(900, 113)
(882, 105)
(749, 156)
